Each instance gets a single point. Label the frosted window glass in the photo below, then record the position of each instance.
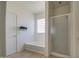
(41, 26)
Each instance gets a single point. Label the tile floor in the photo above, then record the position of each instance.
(28, 54)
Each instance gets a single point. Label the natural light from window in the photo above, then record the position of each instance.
(41, 25)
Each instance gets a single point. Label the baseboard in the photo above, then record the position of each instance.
(59, 55)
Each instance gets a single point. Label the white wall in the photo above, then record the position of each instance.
(24, 18)
(27, 36)
(39, 37)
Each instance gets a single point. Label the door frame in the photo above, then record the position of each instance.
(74, 34)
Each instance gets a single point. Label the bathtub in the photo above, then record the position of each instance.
(35, 47)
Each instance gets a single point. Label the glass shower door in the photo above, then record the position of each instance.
(60, 35)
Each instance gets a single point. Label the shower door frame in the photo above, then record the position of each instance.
(69, 36)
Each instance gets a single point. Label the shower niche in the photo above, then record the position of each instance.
(59, 14)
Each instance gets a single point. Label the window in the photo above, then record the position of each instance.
(41, 26)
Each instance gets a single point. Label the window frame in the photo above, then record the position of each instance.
(36, 26)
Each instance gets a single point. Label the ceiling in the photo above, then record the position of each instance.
(31, 6)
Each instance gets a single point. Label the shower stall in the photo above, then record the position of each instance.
(59, 16)
(60, 34)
